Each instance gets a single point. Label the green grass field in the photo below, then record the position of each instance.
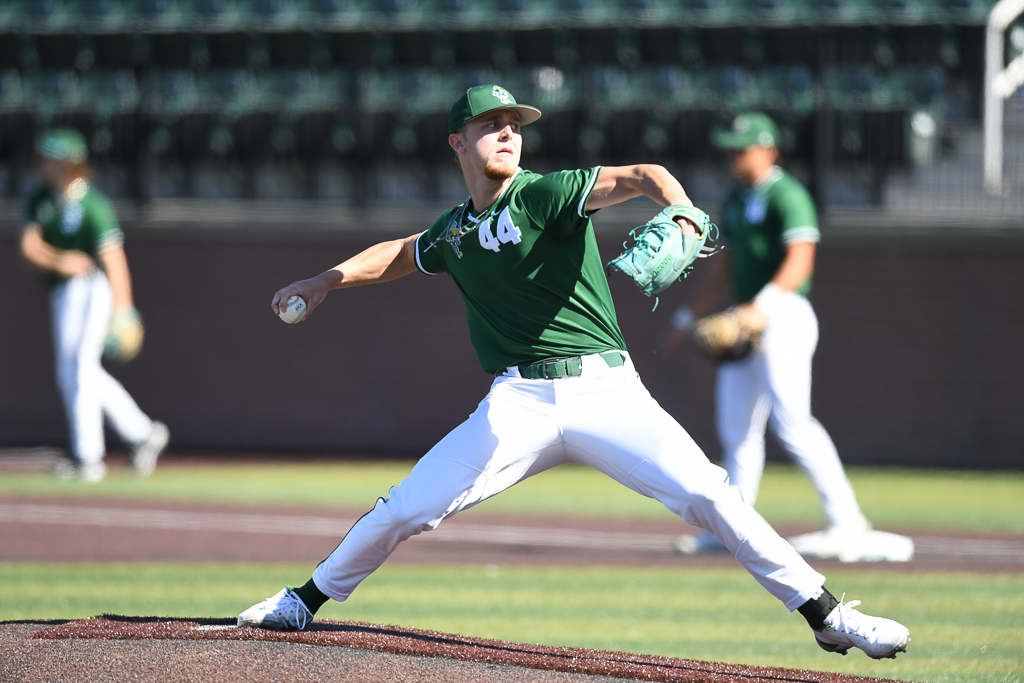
(966, 627)
(926, 500)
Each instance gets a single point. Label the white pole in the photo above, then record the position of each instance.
(1002, 14)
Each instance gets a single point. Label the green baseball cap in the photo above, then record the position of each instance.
(63, 144)
(752, 129)
(484, 98)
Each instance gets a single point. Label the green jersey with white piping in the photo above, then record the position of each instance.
(528, 269)
(759, 222)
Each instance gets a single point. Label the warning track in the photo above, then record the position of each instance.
(98, 530)
(122, 648)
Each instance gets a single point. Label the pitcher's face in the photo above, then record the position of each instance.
(492, 144)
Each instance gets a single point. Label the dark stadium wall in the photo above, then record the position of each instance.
(918, 362)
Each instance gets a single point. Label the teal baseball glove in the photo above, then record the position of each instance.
(661, 253)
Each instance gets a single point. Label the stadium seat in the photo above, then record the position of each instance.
(50, 92)
(858, 12)
(11, 17)
(608, 89)
(916, 86)
(784, 12)
(162, 15)
(731, 88)
(170, 93)
(281, 14)
(232, 93)
(10, 90)
(416, 91)
(303, 91)
(547, 87)
(108, 92)
(849, 87)
(716, 12)
(665, 88)
(787, 87)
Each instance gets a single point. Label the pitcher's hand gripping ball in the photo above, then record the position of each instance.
(294, 310)
(662, 254)
(124, 337)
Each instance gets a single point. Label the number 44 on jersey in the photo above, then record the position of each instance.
(507, 232)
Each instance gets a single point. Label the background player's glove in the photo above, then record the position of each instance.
(124, 338)
(725, 336)
(661, 253)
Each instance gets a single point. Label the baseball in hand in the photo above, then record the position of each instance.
(294, 310)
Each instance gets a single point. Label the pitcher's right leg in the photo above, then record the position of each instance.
(489, 452)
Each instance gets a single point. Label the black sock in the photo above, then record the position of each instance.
(816, 609)
(311, 596)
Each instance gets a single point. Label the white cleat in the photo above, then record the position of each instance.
(145, 454)
(829, 543)
(89, 472)
(878, 546)
(845, 627)
(698, 544)
(282, 612)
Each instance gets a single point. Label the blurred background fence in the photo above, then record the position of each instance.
(248, 143)
(346, 100)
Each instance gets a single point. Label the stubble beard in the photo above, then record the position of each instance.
(499, 169)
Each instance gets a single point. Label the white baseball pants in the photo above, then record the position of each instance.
(773, 387)
(604, 418)
(81, 309)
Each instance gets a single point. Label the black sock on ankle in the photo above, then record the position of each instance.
(311, 596)
(817, 609)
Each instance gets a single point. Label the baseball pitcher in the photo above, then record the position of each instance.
(522, 251)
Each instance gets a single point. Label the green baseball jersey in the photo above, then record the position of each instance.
(82, 219)
(759, 222)
(529, 271)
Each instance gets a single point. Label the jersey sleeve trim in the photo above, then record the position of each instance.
(586, 192)
(806, 233)
(419, 265)
(110, 241)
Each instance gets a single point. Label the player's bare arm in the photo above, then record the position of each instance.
(67, 263)
(382, 262)
(616, 184)
(115, 265)
(796, 267)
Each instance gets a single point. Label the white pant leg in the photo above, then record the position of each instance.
(614, 425)
(741, 415)
(788, 349)
(80, 314)
(127, 419)
(496, 447)
(81, 309)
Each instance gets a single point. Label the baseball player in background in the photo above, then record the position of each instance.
(770, 228)
(522, 252)
(71, 234)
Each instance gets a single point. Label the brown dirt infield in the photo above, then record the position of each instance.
(438, 656)
(40, 529)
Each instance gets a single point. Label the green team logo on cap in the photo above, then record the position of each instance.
(504, 96)
(481, 99)
(752, 129)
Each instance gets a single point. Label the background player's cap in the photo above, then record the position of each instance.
(63, 144)
(484, 98)
(752, 129)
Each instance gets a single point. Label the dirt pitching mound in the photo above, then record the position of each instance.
(418, 643)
